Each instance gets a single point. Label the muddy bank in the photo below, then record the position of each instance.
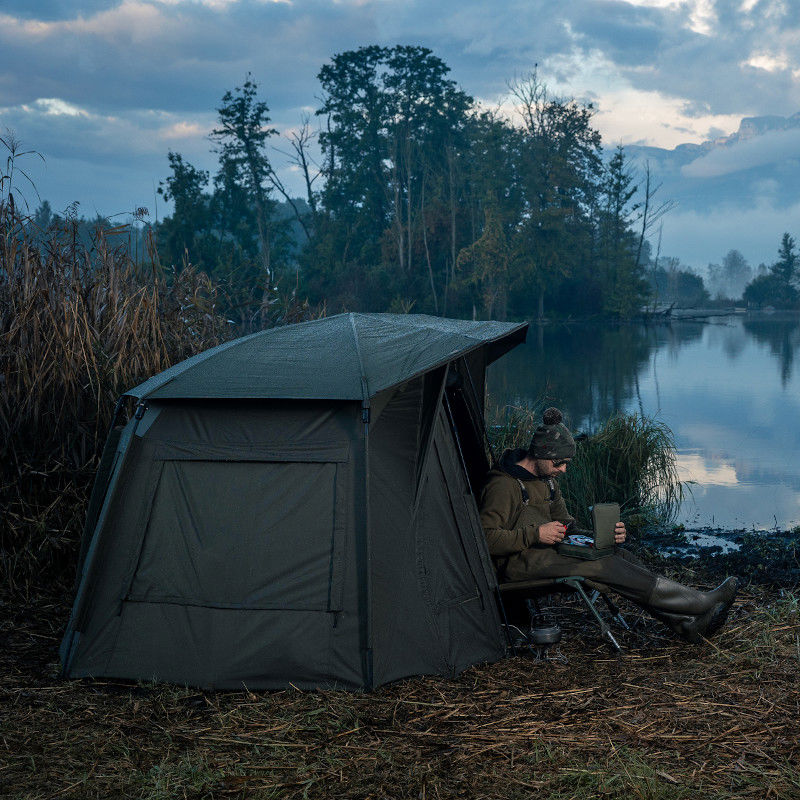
(769, 558)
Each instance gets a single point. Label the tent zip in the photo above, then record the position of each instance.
(365, 573)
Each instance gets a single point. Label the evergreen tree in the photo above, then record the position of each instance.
(242, 137)
(786, 267)
(777, 288)
(180, 235)
(624, 287)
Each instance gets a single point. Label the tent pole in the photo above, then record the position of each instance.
(367, 554)
(461, 458)
(77, 617)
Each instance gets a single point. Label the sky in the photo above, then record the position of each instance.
(104, 90)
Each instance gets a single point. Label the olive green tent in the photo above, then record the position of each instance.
(296, 507)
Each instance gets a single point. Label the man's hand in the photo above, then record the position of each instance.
(620, 533)
(552, 532)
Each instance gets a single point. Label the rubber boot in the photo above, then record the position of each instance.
(690, 613)
(694, 628)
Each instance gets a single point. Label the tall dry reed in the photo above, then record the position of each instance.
(79, 324)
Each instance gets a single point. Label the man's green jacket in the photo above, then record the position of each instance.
(510, 524)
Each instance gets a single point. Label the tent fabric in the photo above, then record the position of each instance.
(344, 357)
(265, 541)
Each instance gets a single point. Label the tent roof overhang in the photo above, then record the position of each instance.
(344, 357)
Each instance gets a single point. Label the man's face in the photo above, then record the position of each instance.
(546, 468)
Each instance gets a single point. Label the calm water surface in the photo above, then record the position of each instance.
(729, 389)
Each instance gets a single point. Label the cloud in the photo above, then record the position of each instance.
(139, 54)
(629, 115)
(86, 135)
(52, 106)
(754, 228)
(771, 148)
(659, 71)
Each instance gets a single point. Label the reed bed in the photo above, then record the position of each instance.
(664, 720)
(80, 323)
(631, 460)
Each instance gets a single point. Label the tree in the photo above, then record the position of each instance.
(768, 290)
(624, 286)
(777, 287)
(394, 127)
(242, 136)
(484, 206)
(484, 267)
(728, 280)
(671, 283)
(559, 167)
(179, 234)
(786, 267)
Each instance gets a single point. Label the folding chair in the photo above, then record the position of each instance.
(573, 583)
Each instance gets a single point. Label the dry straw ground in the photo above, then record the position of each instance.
(664, 720)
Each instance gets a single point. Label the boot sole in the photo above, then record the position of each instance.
(701, 627)
(718, 619)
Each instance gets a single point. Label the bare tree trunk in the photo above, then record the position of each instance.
(645, 212)
(398, 211)
(300, 143)
(408, 205)
(278, 184)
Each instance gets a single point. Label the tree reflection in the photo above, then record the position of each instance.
(781, 336)
(589, 370)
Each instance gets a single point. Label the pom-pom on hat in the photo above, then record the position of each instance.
(552, 440)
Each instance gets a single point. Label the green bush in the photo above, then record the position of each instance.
(630, 461)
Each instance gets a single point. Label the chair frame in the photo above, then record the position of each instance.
(571, 583)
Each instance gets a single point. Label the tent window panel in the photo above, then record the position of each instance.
(241, 535)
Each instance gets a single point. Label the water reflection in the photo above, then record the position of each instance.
(728, 389)
(780, 336)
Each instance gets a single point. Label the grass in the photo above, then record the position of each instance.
(632, 461)
(664, 720)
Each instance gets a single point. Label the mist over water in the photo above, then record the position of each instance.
(729, 389)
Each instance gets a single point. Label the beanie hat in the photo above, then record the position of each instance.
(552, 440)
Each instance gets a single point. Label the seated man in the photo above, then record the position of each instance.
(524, 517)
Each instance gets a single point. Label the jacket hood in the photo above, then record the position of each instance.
(508, 464)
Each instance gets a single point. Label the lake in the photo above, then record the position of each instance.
(728, 388)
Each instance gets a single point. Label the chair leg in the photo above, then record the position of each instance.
(576, 583)
(616, 614)
(509, 640)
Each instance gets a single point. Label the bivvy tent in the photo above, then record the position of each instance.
(296, 507)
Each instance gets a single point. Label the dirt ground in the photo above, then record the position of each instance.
(719, 719)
